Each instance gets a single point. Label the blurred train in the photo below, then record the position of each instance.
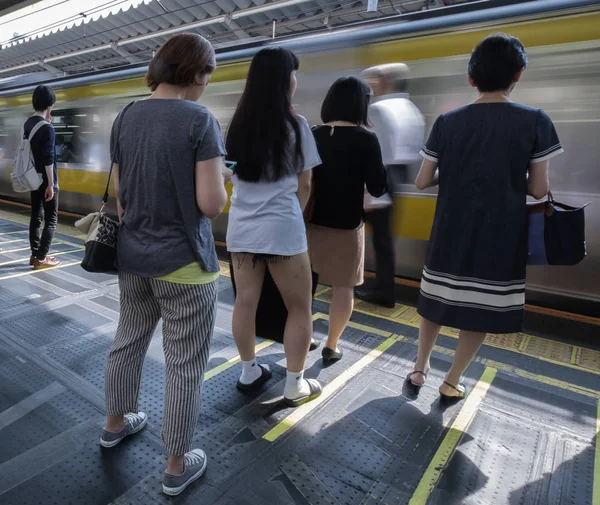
(563, 42)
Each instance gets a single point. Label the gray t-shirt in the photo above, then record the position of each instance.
(162, 228)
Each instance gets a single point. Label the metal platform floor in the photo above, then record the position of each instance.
(526, 434)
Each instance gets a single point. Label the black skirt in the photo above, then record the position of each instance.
(271, 315)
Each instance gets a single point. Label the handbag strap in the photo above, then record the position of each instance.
(117, 133)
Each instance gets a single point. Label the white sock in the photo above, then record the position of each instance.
(296, 385)
(250, 371)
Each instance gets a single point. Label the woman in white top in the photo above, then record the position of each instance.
(275, 152)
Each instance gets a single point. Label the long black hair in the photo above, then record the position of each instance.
(258, 137)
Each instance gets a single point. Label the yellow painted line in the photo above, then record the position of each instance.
(24, 260)
(31, 272)
(596, 489)
(527, 340)
(301, 412)
(358, 326)
(234, 361)
(451, 440)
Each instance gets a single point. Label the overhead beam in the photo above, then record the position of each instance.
(170, 31)
(50, 68)
(121, 52)
(236, 28)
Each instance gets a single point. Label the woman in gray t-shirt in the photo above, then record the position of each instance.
(167, 155)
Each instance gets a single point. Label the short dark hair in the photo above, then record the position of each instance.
(43, 97)
(347, 100)
(496, 61)
(180, 60)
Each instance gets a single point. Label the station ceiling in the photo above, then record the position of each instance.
(131, 36)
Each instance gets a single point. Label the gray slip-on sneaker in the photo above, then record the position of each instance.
(194, 466)
(133, 424)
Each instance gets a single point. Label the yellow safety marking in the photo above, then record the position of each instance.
(234, 361)
(24, 260)
(42, 270)
(302, 411)
(596, 489)
(452, 439)
(358, 326)
(589, 359)
(550, 351)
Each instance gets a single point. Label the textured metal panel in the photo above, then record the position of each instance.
(45, 327)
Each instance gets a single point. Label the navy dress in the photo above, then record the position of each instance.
(474, 274)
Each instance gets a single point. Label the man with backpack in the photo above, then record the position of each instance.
(39, 131)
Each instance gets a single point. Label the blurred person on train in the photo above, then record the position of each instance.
(44, 201)
(169, 180)
(400, 128)
(351, 160)
(486, 157)
(276, 152)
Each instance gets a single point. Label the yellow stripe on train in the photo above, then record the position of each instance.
(544, 32)
(413, 215)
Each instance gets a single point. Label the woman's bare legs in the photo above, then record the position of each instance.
(294, 281)
(469, 343)
(428, 334)
(340, 311)
(249, 279)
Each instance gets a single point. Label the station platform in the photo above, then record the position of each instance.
(526, 434)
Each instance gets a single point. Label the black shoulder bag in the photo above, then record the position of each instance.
(102, 231)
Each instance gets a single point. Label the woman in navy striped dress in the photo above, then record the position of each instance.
(486, 158)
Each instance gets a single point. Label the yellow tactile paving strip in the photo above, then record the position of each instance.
(530, 345)
(538, 347)
(545, 349)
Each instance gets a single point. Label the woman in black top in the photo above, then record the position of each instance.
(351, 159)
(486, 158)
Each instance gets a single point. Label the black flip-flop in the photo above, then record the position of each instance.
(451, 400)
(255, 385)
(315, 392)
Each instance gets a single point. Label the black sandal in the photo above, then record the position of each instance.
(256, 384)
(451, 400)
(331, 356)
(314, 345)
(315, 392)
(413, 384)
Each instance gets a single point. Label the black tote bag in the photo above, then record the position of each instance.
(556, 234)
(271, 314)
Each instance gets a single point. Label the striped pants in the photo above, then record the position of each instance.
(188, 313)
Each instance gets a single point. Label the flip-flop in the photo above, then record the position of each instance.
(451, 400)
(256, 384)
(315, 392)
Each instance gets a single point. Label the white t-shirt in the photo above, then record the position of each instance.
(265, 217)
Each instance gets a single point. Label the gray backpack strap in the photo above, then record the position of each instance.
(35, 129)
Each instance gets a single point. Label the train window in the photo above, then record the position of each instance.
(79, 136)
